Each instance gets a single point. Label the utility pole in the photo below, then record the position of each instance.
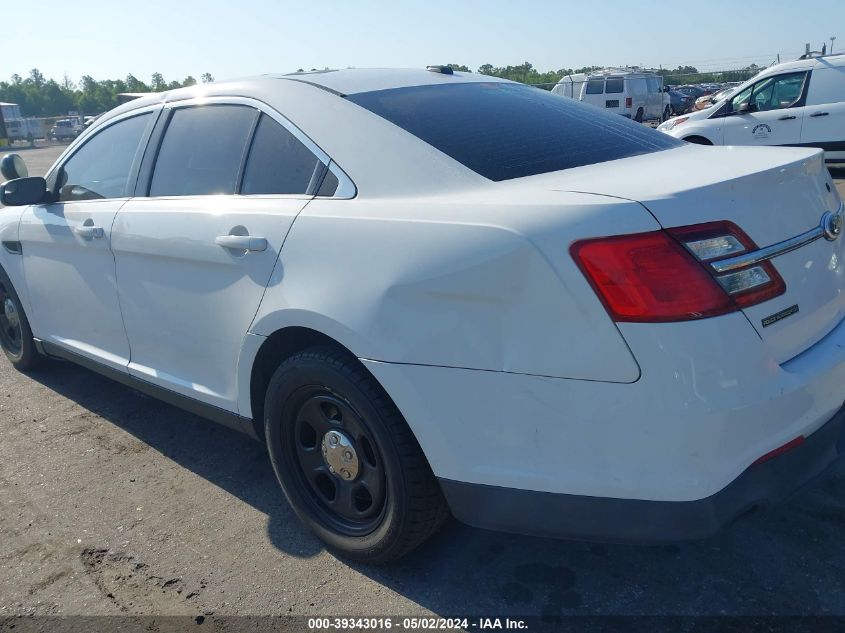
(832, 38)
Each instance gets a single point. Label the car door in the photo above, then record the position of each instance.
(66, 244)
(824, 119)
(193, 257)
(775, 114)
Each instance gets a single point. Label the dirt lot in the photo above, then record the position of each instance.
(111, 502)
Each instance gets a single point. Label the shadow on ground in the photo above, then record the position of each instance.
(786, 561)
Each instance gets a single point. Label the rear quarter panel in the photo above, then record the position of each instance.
(467, 282)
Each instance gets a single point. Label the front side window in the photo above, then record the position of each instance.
(615, 85)
(202, 150)
(508, 130)
(772, 93)
(101, 167)
(595, 86)
(278, 162)
(776, 93)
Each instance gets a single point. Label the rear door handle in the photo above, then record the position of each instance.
(242, 242)
(820, 113)
(89, 232)
(787, 117)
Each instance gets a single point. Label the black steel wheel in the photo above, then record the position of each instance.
(15, 334)
(346, 459)
(340, 470)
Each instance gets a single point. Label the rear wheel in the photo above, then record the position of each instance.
(667, 114)
(15, 336)
(639, 116)
(346, 460)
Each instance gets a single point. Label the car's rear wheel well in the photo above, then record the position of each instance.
(278, 347)
(698, 140)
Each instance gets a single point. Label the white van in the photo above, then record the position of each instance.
(633, 94)
(798, 103)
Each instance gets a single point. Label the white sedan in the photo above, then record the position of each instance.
(433, 292)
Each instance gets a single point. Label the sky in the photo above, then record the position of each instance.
(236, 38)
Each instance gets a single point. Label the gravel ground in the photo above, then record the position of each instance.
(114, 503)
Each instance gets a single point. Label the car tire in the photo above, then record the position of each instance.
(346, 460)
(15, 334)
(667, 114)
(639, 116)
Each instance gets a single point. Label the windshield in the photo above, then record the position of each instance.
(509, 130)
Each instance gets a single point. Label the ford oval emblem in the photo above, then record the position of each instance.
(832, 226)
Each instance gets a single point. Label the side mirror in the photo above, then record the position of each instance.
(12, 166)
(745, 108)
(23, 191)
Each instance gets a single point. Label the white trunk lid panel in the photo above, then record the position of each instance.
(773, 194)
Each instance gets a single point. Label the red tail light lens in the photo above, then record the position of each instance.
(665, 275)
(650, 277)
(629, 101)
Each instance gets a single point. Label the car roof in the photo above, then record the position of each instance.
(809, 63)
(350, 81)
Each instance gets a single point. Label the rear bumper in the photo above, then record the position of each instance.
(644, 521)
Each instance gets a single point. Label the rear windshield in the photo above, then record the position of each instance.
(507, 130)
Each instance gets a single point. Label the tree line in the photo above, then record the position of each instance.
(527, 74)
(39, 97)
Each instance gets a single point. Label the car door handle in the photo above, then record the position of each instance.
(820, 113)
(242, 242)
(787, 117)
(89, 232)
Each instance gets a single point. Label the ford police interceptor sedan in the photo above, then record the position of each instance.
(433, 292)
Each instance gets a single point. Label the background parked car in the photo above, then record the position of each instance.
(693, 91)
(705, 101)
(801, 102)
(64, 130)
(634, 94)
(680, 102)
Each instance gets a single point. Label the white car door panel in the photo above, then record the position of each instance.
(69, 271)
(776, 116)
(67, 260)
(824, 121)
(189, 296)
(193, 259)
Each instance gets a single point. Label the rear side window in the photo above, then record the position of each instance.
(202, 150)
(101, 167)
(278, 162)
(595, 86)
(614, 85)
(508, 130)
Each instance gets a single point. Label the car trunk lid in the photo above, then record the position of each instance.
(772, 194)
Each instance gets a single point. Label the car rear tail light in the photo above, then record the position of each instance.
(747, 286)
(629, 101)
(666, 275)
